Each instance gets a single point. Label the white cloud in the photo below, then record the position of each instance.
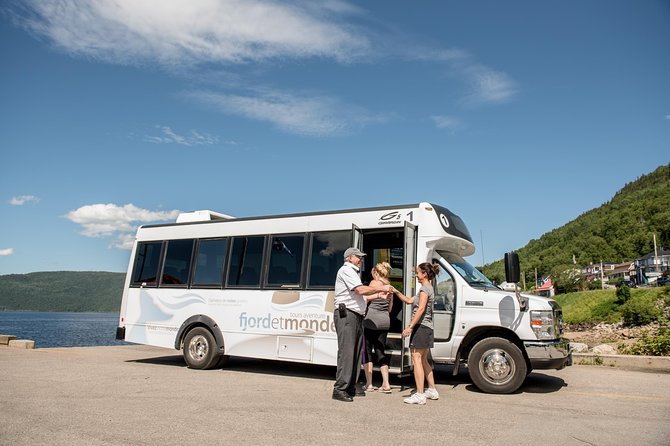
(23, 199)
(106, 220)
(208, 39)
(124, 241)
(185, 31)
(292, 113)
(6, 252)
(486, 85)
(447, 122)
(170, 137)
(489, 86)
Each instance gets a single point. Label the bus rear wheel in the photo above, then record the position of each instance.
(496, 365)
(200, 350)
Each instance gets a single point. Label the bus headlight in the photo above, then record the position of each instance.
(542, 323)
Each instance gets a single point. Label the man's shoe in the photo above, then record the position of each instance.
(359, 391)
(339, 396)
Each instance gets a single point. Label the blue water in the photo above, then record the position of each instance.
(61, 329)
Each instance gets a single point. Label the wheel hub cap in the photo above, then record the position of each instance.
(497, 366)
(198, 347)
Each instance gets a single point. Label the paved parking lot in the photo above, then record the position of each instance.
(145, 395)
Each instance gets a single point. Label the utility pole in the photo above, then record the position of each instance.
(655, 255)
(602, 276)
(481, 239)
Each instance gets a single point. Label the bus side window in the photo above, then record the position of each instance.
(147, 259)
(246, 260)
(285, 260)
(210, 259)
(444, 291)
(326, 257)
(177, 267)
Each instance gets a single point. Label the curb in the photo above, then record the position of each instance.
(12, 342)
(4, 339)
(653, 364)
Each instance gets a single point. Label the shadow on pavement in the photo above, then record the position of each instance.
(250, 365)
(534, 383)
(174, 360)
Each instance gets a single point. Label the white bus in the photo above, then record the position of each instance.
(213, 285)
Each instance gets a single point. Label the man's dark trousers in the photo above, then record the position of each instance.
(349, 343)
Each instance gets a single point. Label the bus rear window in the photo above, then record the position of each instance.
(147, 259)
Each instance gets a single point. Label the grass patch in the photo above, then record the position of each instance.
(593, 307)
(589, 307)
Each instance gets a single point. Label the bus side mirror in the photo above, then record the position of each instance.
(512, 275)
(512, 269)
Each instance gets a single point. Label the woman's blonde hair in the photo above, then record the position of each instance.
(383, 269)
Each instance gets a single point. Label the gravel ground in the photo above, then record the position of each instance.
(611, 334)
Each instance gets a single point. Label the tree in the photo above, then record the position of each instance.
(568, 279)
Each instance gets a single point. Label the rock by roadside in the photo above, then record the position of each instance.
(604, 339)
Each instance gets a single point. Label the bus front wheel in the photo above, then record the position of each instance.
(496, 365)
(200, 350)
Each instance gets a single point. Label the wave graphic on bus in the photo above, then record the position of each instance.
(282, 301)
(167, 307)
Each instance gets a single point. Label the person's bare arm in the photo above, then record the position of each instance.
(423, 302)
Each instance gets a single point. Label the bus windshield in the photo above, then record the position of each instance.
(468, 272)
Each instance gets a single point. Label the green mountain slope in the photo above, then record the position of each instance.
(619, 230)
(62, 291)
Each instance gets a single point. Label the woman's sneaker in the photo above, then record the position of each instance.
(416, 398)
(431, 394)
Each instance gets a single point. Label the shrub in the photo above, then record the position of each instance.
(654, 344)
(595, 285)
(622, 294)
(641, 309)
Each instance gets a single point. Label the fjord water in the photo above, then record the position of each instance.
(60, 329)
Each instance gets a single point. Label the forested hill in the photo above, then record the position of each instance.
(62, 291)
(619, 230)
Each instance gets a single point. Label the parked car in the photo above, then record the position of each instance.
(663, 280)
(628, 283)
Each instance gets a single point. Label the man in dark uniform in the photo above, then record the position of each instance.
(350, 305)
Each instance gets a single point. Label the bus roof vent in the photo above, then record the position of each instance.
(205, 215)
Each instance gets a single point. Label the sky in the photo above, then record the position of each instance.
(518, 116)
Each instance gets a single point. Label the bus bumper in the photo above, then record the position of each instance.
(121, 333)
(554, 354)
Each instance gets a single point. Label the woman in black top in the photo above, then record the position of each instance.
(376, 326)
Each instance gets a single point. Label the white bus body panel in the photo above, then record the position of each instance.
(255, 323)
(262, 323)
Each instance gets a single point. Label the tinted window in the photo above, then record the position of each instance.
(327, 257)
(177, 265)
(246, 260)
(147, 259)
(444, 291)
(209, 262)
(285, 260)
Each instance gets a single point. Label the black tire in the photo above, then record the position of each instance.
(200, 350)
(496, 365)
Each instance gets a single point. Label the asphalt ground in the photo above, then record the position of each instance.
(144, 395)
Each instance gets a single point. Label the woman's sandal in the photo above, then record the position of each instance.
(386, 390)
(370, 389)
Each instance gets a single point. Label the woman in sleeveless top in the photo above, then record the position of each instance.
(420, 330)
(376, 326)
